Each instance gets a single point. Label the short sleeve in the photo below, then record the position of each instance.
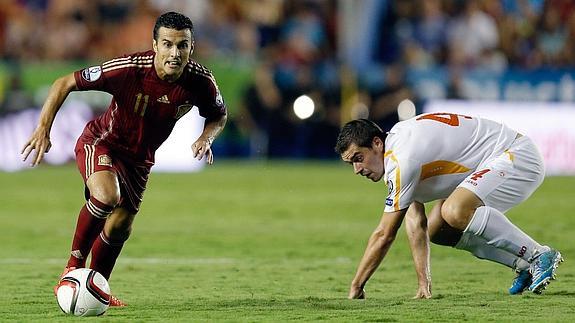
(90, 78)
(210, 102)
(401, 177)
(100, 79)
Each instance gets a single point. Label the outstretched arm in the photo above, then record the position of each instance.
(379, 243)
(40, 139)
(416, 228)
(203, 145)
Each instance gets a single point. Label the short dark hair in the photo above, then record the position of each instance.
(360, 132)
(173, 20)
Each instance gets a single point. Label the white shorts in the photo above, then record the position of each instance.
(510, 178)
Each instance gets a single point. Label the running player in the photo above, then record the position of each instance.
(477, 169)
(151, 90)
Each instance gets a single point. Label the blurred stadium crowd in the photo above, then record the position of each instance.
(353, 58)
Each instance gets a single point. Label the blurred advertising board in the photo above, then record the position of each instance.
(16, 128)
(508, 85)
(175, 155)
(550, 125)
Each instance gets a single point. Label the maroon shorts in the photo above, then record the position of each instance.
(132, 177)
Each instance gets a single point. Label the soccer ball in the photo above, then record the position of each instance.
(83, 292)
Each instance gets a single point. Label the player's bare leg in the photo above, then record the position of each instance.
(90, 232)
(465, 211)
(443, 234)
(459, 208)
(104, 185)
(104, 196)
(440, 232)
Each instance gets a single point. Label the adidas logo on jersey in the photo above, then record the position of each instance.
(163, 99)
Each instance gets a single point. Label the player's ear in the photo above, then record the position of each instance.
(377, 143)
(155, 45)
(192, 47)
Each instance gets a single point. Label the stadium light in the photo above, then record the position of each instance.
(406, 109)
(303, 107)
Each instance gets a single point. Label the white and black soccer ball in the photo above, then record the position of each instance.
(83, 292)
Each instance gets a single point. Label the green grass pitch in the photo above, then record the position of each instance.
(266, 241)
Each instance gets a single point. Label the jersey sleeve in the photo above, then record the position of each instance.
(100, 78)
(401, 176)
(210, 102)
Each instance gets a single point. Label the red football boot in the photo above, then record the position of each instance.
(115, 302)
(66, 270)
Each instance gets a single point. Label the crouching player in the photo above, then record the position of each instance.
(476, 168)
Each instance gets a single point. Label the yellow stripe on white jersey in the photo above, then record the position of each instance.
(397, 180)
(435, 153)
(441, 167)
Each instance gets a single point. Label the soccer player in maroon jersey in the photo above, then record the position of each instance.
(151, 91)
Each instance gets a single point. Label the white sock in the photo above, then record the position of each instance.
(498, 231)
(480, 249)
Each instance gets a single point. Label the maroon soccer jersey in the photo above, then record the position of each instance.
(145, 108)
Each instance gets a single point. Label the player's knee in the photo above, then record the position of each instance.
(104, 187)
(384, 237)
(456, 215)
(109, 197)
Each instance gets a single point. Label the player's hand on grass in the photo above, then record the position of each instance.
(423, 293)
(40, 142)
(356, 292)
(201, 148)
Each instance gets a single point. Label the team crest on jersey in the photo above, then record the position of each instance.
(183, 109)
(104, 160)
(91, 74)
(389, 200)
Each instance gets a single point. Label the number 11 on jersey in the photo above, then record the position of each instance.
(139, 97)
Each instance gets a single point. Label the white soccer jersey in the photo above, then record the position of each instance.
(428, 156)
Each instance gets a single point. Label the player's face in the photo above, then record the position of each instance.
(173, 49)
(366, 161)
